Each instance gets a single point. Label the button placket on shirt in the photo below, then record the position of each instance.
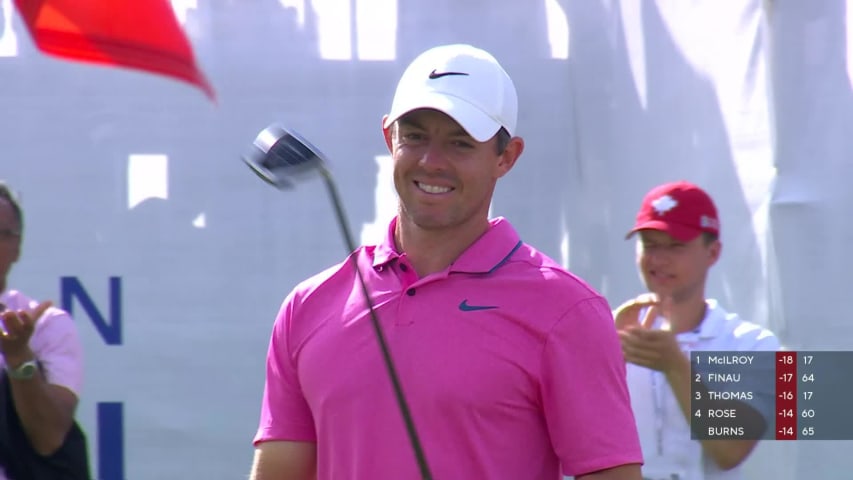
(408, 292)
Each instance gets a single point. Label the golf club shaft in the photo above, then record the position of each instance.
(386, 354)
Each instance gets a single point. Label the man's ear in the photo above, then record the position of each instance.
(386, 131)
(16, 250)
(714, 251)
(507, 159)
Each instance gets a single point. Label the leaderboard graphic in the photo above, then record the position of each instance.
(770, 395)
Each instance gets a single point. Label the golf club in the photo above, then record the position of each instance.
(281, 157)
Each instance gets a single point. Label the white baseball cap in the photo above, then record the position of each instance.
(464, 82)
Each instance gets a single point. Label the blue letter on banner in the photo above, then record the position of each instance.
(110, 331)
(110, 441)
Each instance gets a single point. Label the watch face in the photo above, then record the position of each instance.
(24, 371)
(27, 370)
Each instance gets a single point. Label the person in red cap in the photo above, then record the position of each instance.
(678, 241)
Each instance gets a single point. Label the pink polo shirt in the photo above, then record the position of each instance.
(511, 367)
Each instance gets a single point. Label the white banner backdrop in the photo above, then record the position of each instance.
(174, 258)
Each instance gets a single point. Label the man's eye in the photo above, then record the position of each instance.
(462, 144)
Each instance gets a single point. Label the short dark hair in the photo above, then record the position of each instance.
(709, 237)
(7, 195)
(503, 138)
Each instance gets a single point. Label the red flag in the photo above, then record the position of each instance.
(141, 34)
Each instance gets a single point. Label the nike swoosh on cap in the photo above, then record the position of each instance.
(470, 308)
(433, 74)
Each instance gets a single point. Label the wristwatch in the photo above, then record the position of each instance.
(24, 371)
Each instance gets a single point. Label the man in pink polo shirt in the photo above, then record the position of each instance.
(511, 366)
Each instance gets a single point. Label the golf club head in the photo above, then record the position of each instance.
(281, 157)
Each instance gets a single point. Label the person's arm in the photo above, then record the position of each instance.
(727, 454)
(659, 350)
(623, 472)
(585, 397)
(277, 460)
(285, 444)
(46, 411)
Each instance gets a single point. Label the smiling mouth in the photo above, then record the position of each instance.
(660, 276)
(434, 189)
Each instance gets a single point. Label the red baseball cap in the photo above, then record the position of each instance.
(680, 209)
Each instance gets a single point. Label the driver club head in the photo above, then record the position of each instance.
(281, 157)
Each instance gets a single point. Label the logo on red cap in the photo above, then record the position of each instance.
(664, 204)
(680, 209)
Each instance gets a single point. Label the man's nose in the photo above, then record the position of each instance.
(434, 157)
(657, 255)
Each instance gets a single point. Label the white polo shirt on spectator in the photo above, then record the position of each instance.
(669, 452)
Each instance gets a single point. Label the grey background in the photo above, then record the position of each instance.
(751, 99)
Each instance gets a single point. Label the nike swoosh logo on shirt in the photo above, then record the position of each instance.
(471, 308)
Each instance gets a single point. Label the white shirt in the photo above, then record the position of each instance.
(668, 451)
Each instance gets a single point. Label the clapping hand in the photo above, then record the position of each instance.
(16, 329)
(642, 345)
